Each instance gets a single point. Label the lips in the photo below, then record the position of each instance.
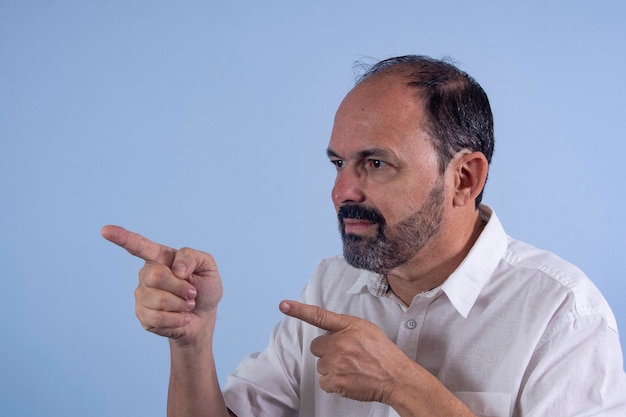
(356, 219)
(357, 226)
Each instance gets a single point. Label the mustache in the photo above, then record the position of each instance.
(355, 211)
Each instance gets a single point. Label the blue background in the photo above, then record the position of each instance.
(205, 124)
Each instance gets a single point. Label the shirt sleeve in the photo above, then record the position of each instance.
(576, 371)
(267, 383)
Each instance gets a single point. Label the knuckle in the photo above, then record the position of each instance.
(150, 275)
(139, 298)
(188, 255)
(196, 256)
(183, 288)
(185, 251)
(317, 348)
(152, 320)
(321, 369)
(162, 323)
(209, 258)
(326, 384)
(162, 301)
(142, 316)
(158, 319)
(319, 316)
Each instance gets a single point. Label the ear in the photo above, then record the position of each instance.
(470, 172)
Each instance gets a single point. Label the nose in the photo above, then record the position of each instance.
(348, 188)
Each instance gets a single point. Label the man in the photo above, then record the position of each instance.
(432, 311)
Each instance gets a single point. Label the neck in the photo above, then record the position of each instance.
(435, 262)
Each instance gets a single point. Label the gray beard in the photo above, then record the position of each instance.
(394, 246)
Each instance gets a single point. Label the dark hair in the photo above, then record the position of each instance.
(457, 108)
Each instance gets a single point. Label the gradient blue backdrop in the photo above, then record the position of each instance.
(204, 124)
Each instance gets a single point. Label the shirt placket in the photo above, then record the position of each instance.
(411, 325)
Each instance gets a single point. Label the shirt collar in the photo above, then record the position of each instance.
(376, 284)
(465, 284)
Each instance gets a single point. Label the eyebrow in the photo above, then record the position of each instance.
(332, 154)
(365, 153)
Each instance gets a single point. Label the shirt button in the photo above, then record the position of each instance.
(411, 324)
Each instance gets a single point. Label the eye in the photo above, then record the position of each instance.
(338, 163)
(376, 163)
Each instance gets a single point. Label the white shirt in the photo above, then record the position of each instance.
(514, 331)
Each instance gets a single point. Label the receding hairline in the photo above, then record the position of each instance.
(404, 63)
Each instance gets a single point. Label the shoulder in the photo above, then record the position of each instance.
(524, 256)
(555, 279)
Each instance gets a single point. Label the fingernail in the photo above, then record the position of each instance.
(284, 307)
(191, 304)
(179, 268)
(191, 293)
(187, 319)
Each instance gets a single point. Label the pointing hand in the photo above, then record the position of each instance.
(178, 290)
(356, 359)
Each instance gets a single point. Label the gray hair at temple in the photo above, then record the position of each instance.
(457, 108)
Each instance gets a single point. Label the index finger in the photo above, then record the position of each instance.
(317, 316)
(138, 245)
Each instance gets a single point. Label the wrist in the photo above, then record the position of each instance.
(418, 393)
(197, 334)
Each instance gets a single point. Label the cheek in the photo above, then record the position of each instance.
(403, 203)
(393, 209)
(396, 213)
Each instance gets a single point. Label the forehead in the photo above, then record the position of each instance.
(380, 112)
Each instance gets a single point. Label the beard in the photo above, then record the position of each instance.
(394, 245)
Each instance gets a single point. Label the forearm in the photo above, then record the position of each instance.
(420, 394)
(194, 389)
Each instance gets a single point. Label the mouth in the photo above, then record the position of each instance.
(358, 226)
(359, 221)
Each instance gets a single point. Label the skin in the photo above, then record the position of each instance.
(177, 298)
(385, 160)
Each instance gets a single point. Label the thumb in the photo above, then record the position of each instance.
(189, 261)
(316, 316)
